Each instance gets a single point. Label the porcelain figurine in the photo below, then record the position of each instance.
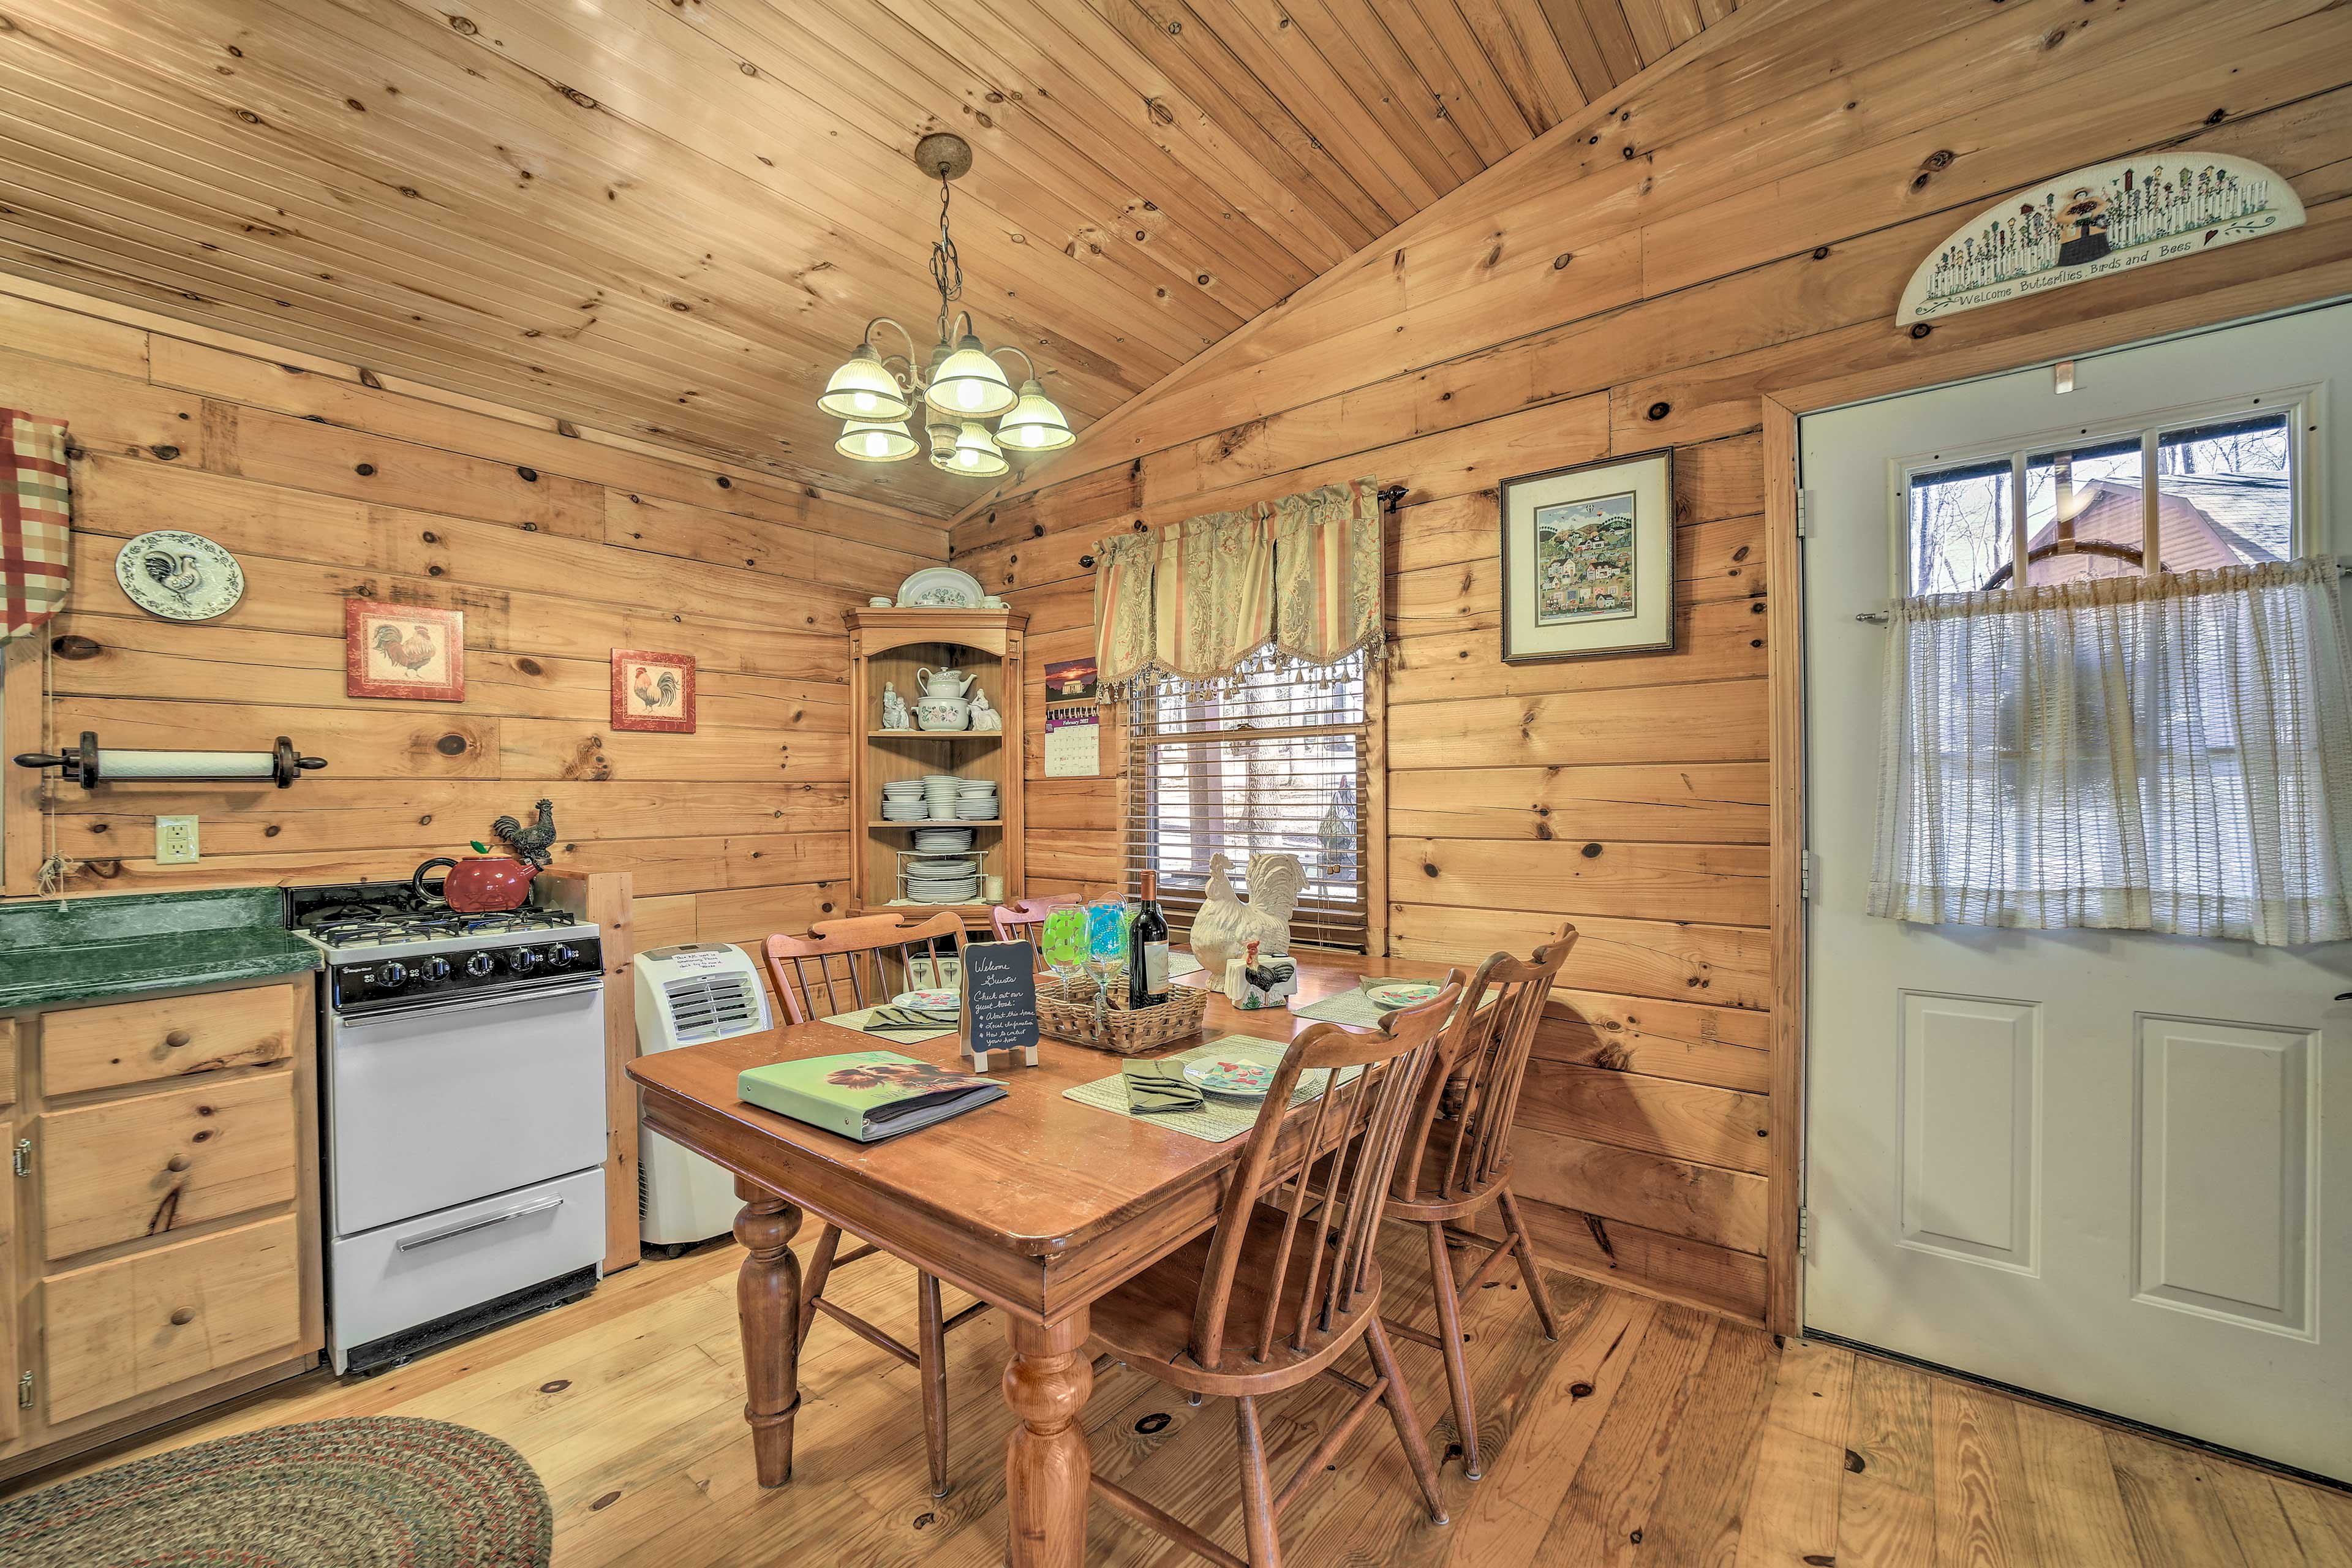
(894, 708)
(983, 717)
(1225, 926)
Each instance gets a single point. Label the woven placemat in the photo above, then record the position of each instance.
(1350, 1007)
(857, 1021)
(1218, 1121)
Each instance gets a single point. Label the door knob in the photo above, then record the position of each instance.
(176, 1039)
(176, 1163)
(183, 1316)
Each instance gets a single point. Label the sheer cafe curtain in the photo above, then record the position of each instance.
(2168, 754)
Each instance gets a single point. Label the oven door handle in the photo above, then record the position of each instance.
(359, 1020)
(413, 1242)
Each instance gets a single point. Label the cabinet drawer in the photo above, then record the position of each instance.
(148, 1165)
(135, 1042)
(171, 1314)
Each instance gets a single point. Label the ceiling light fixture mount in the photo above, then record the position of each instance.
(875, 394)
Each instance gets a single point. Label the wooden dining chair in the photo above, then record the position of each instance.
(1025, 921)
(845, 964)
(1456, 1159)
(1288, 1280)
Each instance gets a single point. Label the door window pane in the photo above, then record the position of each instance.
(1960, 527)
(2084, 511)
(2225, 493)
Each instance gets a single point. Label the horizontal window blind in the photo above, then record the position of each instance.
(1273, 759)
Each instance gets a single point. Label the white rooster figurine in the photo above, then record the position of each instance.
(1225, 926)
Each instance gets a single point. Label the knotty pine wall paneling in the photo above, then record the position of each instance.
(1738, 222)
(559, 545)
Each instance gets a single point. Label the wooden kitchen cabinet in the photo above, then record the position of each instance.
(161, 1246)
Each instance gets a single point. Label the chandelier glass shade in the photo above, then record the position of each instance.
(864, 388)
(961, 384)
(1034, 424)
(875, 440)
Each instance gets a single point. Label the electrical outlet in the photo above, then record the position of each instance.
(175, 840)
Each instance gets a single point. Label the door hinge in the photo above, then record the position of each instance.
(23, 1160)
(1804, 1230)
(1805, 860)
(1804, 513)
(25, 1390)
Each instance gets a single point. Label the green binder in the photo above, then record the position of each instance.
(864, 1094)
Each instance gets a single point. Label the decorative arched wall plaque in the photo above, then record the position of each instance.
(2096, 222)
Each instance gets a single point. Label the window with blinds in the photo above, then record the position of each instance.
(1276, 761)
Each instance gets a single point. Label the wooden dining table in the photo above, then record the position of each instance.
(1036, 1204)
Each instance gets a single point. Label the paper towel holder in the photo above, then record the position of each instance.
(87, 765)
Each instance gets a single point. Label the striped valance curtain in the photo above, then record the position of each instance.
(1196, 600)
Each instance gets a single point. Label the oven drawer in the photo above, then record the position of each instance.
(119, 1329)
(418, 1270)
(133, 1042)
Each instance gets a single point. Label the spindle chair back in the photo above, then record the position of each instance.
(841, 966)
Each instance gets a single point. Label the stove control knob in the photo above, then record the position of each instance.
(434, 970)
(390, 976)
(563, 954)
(525, 960)
(479, 966)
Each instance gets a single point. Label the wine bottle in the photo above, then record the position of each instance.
(1147, 950)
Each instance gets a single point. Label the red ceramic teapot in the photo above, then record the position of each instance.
(478, 885)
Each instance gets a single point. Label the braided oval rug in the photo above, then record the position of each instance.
(376, 1492)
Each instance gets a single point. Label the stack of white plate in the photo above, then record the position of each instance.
(948, 880)
(940, 794)
(943, 840)
(976, 801)
(902, 801)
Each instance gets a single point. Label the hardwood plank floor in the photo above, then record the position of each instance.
(1649, 1435)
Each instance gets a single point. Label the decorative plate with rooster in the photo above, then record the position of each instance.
(179, 576)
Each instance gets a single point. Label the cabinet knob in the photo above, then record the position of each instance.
(183, 1316)
(178, 1038)
(176, 1163)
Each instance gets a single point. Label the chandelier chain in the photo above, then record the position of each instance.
(947, 268)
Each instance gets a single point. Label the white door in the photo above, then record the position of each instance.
(2115, 1168)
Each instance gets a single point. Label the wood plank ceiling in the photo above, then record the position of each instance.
(672, 217)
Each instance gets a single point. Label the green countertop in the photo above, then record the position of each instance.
(84, 949)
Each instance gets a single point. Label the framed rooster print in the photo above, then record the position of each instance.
(1588, 559)
(653, 691)
(404, 651)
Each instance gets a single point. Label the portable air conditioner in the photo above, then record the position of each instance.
(694, 991)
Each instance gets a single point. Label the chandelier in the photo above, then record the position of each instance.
(875, 395)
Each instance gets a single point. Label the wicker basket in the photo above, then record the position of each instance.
(1066, 1010)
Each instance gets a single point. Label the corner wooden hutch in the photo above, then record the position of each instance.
(885, 647)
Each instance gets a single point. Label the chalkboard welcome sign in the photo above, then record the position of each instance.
(1000, 1001)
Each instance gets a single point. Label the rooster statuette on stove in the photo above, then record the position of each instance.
(528, 843)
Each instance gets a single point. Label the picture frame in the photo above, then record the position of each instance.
(409, 651)
(1587, 559)
(653, 691)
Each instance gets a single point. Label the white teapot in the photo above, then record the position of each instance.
(942, 682)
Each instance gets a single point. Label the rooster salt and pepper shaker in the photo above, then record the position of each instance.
(894, 708)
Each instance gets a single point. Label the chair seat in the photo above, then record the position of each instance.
(1147, 1322)
(1434, 1200)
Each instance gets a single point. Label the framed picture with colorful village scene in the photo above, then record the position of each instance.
(653, 691)
(1588, 559)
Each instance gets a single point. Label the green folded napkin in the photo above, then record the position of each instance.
(1157, 1087)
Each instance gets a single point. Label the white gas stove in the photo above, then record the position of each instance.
(462, 1082)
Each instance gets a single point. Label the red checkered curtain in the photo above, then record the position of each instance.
(36, 524)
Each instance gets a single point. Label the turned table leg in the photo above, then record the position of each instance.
(768, 1308)
(1047, 1471)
